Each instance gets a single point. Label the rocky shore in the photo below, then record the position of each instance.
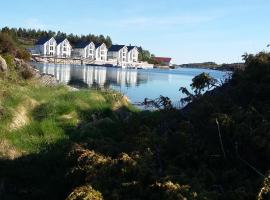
(27, 71)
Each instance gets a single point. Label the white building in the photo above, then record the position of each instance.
(84, 50)
(46, 46)
(101, 51)
(133, 54)
(118, 53)
(63, 48)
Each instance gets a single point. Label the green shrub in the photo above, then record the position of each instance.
(85, 193)
(27, 73)
(23, 54)
(9, 58)
(7, 45)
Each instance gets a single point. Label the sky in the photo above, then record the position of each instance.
(189, 31)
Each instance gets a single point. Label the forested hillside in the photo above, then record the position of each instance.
(28, 37)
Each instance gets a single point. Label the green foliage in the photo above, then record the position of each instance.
(9, 46)
(128, 176)
(81, 140)
(199, 84)
(23, 54)
(264, 193)
(146, 56)
(9, 58)
(29, 36)
(202, 81)
(85, 193)
(161, 103)
(172, 191)
(27, 73)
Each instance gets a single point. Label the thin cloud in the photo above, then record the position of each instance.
(152, 22)
(165, 21)
(35, 23)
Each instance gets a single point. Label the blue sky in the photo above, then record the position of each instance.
(186, 30)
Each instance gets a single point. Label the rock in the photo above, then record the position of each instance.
(27, 70)
(48, 80)
(3, 65)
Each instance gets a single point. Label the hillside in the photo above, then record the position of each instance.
(27, 37)
(213, 65)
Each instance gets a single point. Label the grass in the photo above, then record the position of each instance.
(41, 116)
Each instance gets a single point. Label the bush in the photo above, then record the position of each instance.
(9, 58)
(23, 54)
(27, 73)
(85, 193)
(7, 45)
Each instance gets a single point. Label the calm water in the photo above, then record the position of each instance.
(136, 84)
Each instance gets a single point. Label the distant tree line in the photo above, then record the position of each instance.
(146, 56)
(34, 35)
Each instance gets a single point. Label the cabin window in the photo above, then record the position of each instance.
(51, 48)
(64, 49)
(91, 51)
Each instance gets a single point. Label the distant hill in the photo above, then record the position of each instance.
(28, 37)
(213, 65)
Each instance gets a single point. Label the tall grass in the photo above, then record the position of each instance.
(53, 113)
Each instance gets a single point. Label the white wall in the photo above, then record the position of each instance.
(101, 53)
(90, 51)
(123, 55)
(64, 49)
(50, 47)
(133, 55)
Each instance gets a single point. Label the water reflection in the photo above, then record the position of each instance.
(93, 75)
(136, 84)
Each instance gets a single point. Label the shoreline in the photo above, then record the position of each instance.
(84, 61)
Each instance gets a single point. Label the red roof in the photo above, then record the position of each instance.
(162, 59)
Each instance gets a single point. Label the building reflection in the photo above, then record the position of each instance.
(93, 76)
(61, 72)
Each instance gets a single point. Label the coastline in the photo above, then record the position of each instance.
(81, 61)
(222, 67)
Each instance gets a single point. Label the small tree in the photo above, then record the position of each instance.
(199, 84)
